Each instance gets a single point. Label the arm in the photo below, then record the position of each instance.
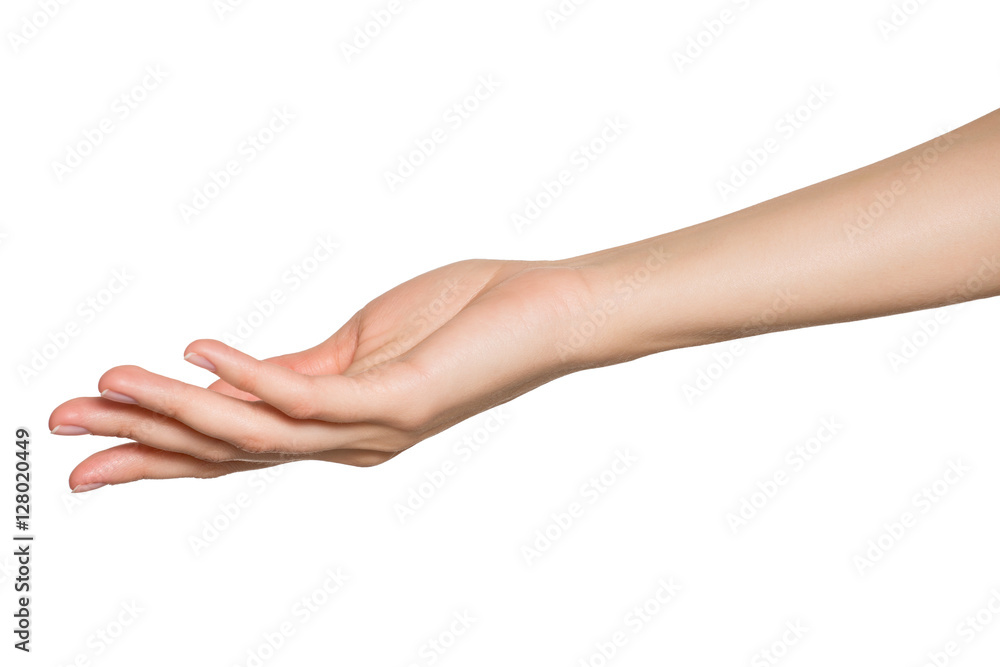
(917, 230)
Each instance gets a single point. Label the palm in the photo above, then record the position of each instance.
(456, 338)
(420, 358)
(393, 323)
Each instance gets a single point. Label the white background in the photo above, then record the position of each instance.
(462, 552)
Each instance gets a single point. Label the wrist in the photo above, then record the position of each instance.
(627, 312)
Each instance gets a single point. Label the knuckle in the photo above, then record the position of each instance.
(134, 429)
(171, 410)
(171, 403)
(174, 403)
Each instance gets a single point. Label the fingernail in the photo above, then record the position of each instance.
(64, 429)
(83, 488)
(199, 360)
(115, 396)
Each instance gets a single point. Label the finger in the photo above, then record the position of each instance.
(333, 398)
(226, 389)
(100, 416)
(332, 356)
(251, 426)
(134, 461)
(306, 359)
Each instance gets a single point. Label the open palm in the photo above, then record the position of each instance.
(422, 357)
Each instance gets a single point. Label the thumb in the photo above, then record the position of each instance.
(331, 356)
(306, 361)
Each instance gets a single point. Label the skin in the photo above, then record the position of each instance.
(463, 338)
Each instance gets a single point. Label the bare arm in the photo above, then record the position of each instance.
(917, 230)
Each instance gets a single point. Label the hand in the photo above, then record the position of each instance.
(422, 357)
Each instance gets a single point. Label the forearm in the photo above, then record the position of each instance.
(917, 230)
